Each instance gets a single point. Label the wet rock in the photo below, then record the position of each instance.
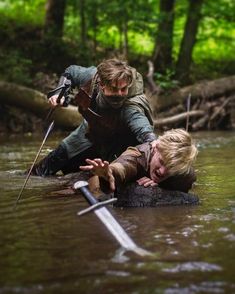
(134, 195)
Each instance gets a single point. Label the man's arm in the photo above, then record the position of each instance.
(123, 169)
(79, 77)
(139, 124)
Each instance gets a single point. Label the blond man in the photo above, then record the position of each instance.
(172, 156)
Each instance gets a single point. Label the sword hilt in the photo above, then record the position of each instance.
(64, 92)
(82, 186)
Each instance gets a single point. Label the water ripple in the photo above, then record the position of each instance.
(193, 266)
(204, 287)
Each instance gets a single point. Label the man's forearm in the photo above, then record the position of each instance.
(149, 137)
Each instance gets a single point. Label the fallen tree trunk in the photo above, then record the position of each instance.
(202, 90)
(34, 101)
(177, 118)
(212, 113)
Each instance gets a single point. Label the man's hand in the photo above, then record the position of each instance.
(53, 100)
(101, 169)
(146, 182)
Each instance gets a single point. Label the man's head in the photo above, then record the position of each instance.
(115, 78)
(174, 155)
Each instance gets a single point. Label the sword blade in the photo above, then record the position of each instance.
(109, 221)
(31, 168)
(118, 232)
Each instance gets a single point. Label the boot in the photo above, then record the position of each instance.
(52, 163)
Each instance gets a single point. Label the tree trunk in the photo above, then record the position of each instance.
(177, 118)
(162, 56)
(94, 24)
(36, 102)
(54, 20)
(188, 41)
(125, 38)
(68, 118)
(206, 89)
(83, 23)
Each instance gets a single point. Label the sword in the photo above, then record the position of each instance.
(31, 168)
(109, 221)
(64, 92)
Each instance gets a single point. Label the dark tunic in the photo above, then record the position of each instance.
(117, 128)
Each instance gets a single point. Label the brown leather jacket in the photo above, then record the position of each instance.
(134, 164)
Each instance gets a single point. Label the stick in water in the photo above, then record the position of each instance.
(188, 109)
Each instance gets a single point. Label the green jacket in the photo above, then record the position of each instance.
(116, 129)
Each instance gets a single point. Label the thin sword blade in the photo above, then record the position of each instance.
(118, 232)
(31, 168)
(109, 221)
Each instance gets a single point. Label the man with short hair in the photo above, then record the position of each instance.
(118, 116)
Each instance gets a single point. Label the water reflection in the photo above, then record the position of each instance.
(47, 248)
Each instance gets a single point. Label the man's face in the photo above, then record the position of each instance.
(158, 172)
(115, 95)
(116, 89)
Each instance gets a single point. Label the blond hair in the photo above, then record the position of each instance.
(113, 70)
(178, 151)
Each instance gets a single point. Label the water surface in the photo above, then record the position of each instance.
(47, 248)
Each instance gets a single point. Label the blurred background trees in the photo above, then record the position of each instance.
(186, 40)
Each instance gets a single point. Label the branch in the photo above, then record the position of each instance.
(178, 117)
(206, 90)
(154, 89)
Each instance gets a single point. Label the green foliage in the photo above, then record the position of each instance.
(107, 22)
(15, 68)
(24, 11)
(166, 81)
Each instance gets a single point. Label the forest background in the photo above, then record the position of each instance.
(172, 43)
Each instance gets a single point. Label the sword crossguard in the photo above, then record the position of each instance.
(96, 206)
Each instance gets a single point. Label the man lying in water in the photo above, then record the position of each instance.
(172, 157)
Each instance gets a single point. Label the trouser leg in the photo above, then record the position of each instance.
(58, 160)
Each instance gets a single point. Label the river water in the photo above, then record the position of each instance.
(46, 248)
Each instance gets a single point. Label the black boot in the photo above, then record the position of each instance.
(52, 163)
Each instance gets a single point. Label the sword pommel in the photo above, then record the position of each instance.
(80, 184)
